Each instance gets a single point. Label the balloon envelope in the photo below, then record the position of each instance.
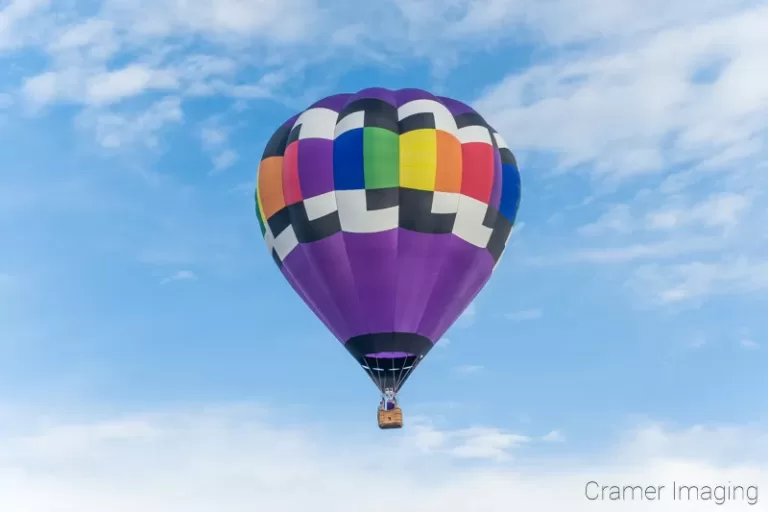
(387, 211)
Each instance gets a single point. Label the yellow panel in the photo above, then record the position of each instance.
(259, 205)
(418, 159)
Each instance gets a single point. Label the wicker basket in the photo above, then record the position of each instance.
(391, 419)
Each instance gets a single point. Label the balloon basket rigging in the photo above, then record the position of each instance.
(390, 419)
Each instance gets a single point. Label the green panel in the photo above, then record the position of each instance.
(381, 158)
(258, 215)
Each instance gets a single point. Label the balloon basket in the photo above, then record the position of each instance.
(391, 419)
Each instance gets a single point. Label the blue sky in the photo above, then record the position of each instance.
(142, 317)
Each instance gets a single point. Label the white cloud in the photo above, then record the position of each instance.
(115, 130)
(127, 82)
(672, 97)
(215, 141)
(647, 251)
(749, 344)
(42, 88)
(97, 35)
(98, 87)
(213, 137)
(721, 210)
(16, 18)
(679, 282)
(686, 250)
(470, 443)
(219, 19)
(225, 159)
(554, 436)
(618, 219)
(720, 227)
(653, 87)
(626, 97)
(526, 314)
(181, 275)
(131, 49)
(219, 459)
(638, 106)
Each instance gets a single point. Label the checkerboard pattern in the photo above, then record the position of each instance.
(374, 165)
(387, 211)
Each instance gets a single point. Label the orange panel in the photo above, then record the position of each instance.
(449, 163)
(271, 185)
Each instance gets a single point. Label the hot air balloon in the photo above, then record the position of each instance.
(387, 212)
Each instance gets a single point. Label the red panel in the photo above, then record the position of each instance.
(291, 186)
(477, 170)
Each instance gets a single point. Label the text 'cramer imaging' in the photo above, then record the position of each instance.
(718, 494)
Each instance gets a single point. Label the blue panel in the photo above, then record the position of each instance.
(510, 192)
(348, 161)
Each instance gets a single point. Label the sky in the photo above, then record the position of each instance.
(151, 354)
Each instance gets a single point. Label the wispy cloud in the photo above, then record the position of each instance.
(682, 124)
(682, 282)
(114, 130)
(181, 275)
(667, 249)
(215, 139)
(218, 458)
(749, 344)
(618, 219)
(471, 443)
(720, 210)
(554, 436)
(615, 107)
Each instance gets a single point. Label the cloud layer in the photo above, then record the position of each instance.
(239, 458)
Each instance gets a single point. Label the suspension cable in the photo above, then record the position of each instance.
(410, 370)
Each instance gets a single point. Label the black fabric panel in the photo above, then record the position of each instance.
(421, 121)
(294, 135)
(470, 119)
(378, 113)
(312, 230)
(279, 221)
(409, 342)
(507, 157)
(277, 143)
(392, 374)
(489, 220)
(493, 138)
(499, 236)
(381, 198)
(416, 213)
(381, 120)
